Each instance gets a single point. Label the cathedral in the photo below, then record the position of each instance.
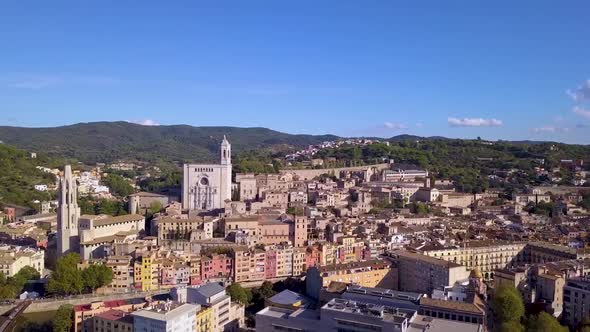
(208, 186)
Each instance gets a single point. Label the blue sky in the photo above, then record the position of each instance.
(499, 70)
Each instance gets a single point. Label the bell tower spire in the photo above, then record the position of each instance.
(225, 152)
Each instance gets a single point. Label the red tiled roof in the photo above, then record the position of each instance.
(112, 314)
(81, 307)
(106, 304)
(115, 303)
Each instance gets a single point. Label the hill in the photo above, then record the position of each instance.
(19, 175)
(110, 141)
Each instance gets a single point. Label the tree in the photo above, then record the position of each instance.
(110, 207)
(155, 207)
(67, 278)
(421, 208)
(27, 273)
(356, 153)
(105, 275)
(7, 292)
(540, 208)
(118, 185)
(507, 306)
(22, 276)
(509, 327)
(294, 284)
(90, 278)
(86, 206)
(544, 322)
(13, 286)
(265, 290)
(295, 210)
(96, 276)
(62, 321)
(239, 294)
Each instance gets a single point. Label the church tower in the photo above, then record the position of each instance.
(68, 213)
(225, 152)
(226, 169)
(300, 232)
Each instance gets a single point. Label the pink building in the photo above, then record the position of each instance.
(166, 276)
(196, 280)
(312, 257)
(359, 252)
(182, 274)
(216, 267)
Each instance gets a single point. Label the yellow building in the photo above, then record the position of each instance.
(148, 278)
(298, 261)
(347, 244)
(205, 319)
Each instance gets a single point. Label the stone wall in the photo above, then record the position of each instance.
(307, 174)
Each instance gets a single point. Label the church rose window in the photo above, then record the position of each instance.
(204, 181)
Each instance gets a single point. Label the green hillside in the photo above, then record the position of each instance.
(111, 141)
(470, 163)
(18, 175)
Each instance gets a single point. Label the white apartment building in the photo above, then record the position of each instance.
(167, 317)
(227, 316)
(14, 259)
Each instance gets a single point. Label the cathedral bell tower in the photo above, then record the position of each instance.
(225, 152)
(68, 213)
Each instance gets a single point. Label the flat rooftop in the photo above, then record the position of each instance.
(375, 311)
(286, 313)
(425, 323)
(166, 311)
(385, 293)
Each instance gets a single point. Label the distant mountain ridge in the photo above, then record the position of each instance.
(109, 141)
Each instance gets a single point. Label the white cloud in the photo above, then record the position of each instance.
(37, 81)
(474, 122)
(551, 129)
(581, 93)
(391, 125)
(146, 122)
(34, 82)
(419, 125)
(582, 111)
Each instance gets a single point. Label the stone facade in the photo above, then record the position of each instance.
(208, 186)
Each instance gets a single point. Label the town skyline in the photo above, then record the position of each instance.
(268, 166)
